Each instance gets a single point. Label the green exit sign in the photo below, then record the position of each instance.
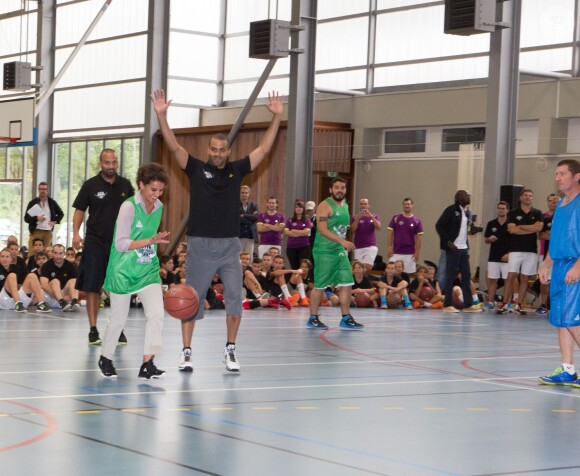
(331, 174)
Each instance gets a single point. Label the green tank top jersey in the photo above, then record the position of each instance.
(338, 224)
(131, 271)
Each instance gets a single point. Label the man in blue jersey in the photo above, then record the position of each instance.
(563, 261)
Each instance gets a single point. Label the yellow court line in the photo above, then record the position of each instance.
(434, 408)
(133, 410)
(564, 411)
(221, 408)
(349, 408)
(178, 409)
(393, 408)
(264, 408)
(307, 408)
(84, 412)
(520, 409)
(477, 409)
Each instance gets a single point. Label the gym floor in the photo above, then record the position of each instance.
(414, 393)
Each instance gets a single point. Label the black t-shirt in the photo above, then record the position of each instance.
(524, 243)
(4, 274)
(215, 197)
(20, 269)
(502, 245)
(396, 280)
(171, 278)
(103, 200)
(547, 227)
(364, 284)
(64, 273)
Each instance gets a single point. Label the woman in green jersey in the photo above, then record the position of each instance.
(134, 269)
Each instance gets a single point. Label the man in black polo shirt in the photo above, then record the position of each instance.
(214, 220)
(102, 195)
(497, 236)
(58, 279)
(524, 224)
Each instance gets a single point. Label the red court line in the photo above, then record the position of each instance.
(50, 428)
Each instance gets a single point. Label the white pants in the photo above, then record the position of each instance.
(266, 248)
(366, 255)
(152, 299)
(408, 261)
(7, 303)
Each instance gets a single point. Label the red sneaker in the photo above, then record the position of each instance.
(284, 302)
(273, 302)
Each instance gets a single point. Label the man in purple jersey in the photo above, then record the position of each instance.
(405, 233)
(363, 226)
(270, 227)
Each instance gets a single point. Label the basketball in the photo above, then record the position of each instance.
(426, 293)
(363, 300)
(181, 301)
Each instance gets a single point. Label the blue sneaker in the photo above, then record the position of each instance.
(316, 323)
(542, 310)
(488, 306)
(559, 377)
(348, 322)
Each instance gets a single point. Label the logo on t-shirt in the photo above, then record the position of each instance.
(145, 254)
(101, 195)
(208, 174)
(494, 229)
(519, 217)
(139, 224)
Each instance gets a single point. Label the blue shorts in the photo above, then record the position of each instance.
(207, 256)
(564, 298)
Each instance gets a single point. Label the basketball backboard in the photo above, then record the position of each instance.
(17, 120)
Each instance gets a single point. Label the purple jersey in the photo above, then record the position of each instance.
(404, 231)
(270, 237)
(298, 241)
(364, 235)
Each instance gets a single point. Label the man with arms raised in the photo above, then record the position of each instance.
(213, 243)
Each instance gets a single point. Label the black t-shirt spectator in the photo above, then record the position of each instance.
(4, 274)
(63, 273)
(502, 245)
(396, 280)
(170, 278)
(20, 269)
(364, 284)
(547, 227)
(524, 243)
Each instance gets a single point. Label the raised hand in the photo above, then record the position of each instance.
(275, 105)
(160, 104)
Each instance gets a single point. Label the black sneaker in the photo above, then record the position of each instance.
(43, 307)
(94, 338)
(122, 339)
(316, 323)
(65, 306)
(107, 368)
(148, 370)
(19, 307)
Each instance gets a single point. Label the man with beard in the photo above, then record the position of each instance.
(214, 220)
(330, 252)
(102, 195)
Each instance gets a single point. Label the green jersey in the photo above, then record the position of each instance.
(128, 272)
(338, 224)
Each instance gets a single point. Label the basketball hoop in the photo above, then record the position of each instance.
(11, 140)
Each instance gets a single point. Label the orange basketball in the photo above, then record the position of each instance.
(363, 300)
(426, 293)
(181, 301)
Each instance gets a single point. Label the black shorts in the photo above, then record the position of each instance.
(93, 268)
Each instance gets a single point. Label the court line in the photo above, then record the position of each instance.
(50, 427)
(299, 364)
(290, 387)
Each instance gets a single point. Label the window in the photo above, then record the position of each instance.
(453, 138)
(397, 142)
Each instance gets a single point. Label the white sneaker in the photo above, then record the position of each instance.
(185, 364)
(230, 360)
